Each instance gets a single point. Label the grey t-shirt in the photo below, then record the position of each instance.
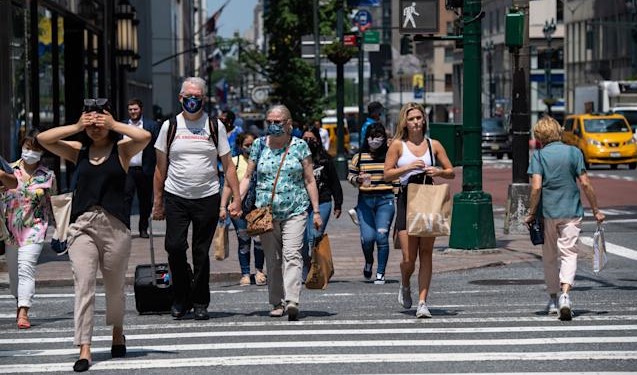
(559, 165)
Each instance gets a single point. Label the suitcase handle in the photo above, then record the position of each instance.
(153, 268)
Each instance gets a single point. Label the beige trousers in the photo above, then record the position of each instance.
(282, 248)
(98, 239)
(559, 252)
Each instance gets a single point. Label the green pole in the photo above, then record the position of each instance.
(472, 218)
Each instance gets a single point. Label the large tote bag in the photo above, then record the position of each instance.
(428, 210)
(61, 205)
(322, 266)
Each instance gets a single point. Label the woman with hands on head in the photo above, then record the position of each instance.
(99, 234)
(295, 190)
(414, 158)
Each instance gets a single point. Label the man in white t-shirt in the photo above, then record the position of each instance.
(325, 135)
(186, 187)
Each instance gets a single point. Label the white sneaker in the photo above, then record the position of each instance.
(551, 306)
(423, 311)
(380, 279)
(353, 215)
(564, 305)
(404, 296)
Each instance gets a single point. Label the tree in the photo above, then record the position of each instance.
(292, 78)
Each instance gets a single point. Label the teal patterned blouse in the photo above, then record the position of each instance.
(291, 197)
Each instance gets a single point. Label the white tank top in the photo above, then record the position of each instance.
(407, 157)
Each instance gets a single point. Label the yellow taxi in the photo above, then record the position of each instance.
(602, 138)
(329, 123)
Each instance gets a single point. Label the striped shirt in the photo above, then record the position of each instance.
(376, 169)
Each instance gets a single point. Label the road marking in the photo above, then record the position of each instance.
(316, 332)
(318, 359)
(611, 176)
(72, 295)
(177, 348)
(612, 248)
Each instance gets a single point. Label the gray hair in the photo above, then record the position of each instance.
(195, 81)
(280, 108)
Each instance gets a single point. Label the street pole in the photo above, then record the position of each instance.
(518, 193)
(549, 29)
(472, 224)
(491, 83)
(317, 40)
(361, 78)
(341, 160)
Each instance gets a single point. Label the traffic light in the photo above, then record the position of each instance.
(405, 45)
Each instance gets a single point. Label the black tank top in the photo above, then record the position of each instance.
(100, 185)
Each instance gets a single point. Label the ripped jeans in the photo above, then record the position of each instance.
(245, 243)
(375, 214)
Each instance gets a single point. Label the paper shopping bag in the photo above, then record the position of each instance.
(220, 242)
(322, 267)
(428, 210)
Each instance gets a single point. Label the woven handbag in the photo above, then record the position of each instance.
(260, 219)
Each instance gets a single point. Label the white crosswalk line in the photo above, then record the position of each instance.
(612, 248)
(291, 359)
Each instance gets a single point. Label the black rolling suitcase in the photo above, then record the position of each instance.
(153, 284)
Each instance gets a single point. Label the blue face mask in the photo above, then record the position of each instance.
(275, 129)
(192, 104)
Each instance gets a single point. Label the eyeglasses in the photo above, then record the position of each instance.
(270, 122)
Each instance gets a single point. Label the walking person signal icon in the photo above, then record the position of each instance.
(418, 17)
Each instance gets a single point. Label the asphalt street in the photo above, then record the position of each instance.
(487, 320)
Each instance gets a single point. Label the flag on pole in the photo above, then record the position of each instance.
(211, 24)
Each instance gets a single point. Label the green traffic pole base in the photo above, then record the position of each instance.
(472, 221)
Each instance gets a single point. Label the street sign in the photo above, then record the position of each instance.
(371, 40)
(371, 37)
(363, 19)
(349, 40)
(418, 17)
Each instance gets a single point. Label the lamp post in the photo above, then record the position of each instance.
(400, 85)
(548, 30)
(489, 47)
(126, 55)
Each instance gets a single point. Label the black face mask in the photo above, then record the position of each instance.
(313, 144)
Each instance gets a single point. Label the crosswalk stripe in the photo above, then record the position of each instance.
(339, 332)
(612, 248)
(349, 322)
(176, 348)
(292, 359)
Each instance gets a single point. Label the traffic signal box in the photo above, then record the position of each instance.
(405, 45)
(514, 30)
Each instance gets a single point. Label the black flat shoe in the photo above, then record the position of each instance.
(179, 311)
(119, 350)
(81, 365)
(201, 313)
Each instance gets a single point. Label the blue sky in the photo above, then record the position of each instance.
(237, 15)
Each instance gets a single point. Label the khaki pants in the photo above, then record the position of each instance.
(98, 239)
(282, 248)
(559, 252)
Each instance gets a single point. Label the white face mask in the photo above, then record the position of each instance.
(30, 157)
(375, 143)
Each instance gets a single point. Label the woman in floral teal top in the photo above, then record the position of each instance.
(294, 191)
(28, 209)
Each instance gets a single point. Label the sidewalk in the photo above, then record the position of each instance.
(54, 270)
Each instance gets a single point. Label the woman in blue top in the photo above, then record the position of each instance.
(294, 191)
(554, 172)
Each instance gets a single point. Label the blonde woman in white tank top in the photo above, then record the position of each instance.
(412, 155)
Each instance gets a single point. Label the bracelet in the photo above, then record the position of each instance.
(222, 208)
(316, 212)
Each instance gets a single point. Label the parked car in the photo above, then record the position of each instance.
(602, 138)
(496, 138)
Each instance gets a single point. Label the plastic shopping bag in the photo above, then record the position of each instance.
(599, 249)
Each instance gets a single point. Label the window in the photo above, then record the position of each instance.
(568, 124)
